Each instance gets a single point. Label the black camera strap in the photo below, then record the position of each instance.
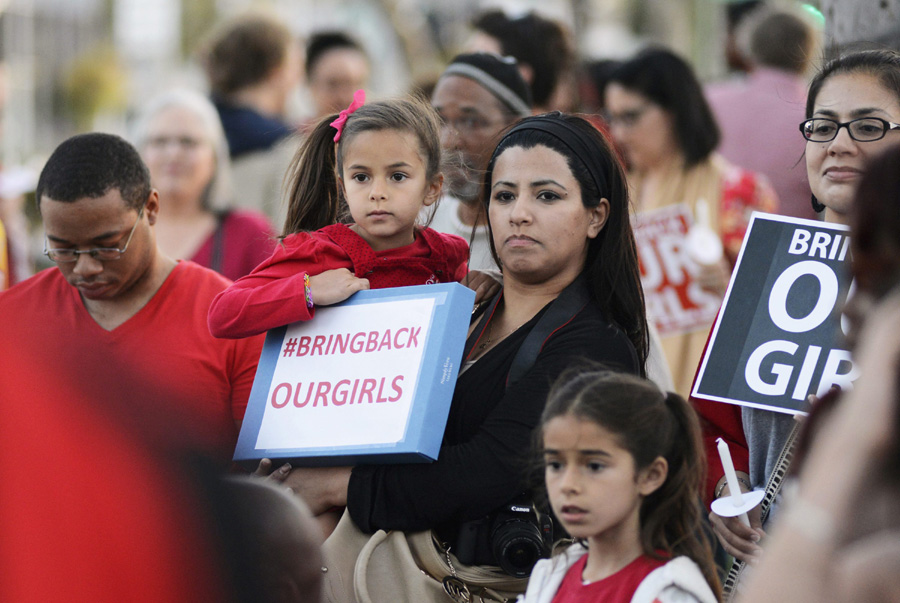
(562, 310)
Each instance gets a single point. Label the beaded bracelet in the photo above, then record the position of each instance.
(307, 291)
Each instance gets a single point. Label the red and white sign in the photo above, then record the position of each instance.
(675, 301)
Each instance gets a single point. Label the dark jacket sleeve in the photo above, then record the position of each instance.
(472, 478)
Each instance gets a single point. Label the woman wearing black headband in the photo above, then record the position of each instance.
(557, 204)
(562, 237)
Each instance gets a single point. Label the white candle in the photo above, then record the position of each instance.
(734, 487)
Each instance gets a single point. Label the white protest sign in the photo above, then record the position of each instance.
(367, 380)
(348, 384)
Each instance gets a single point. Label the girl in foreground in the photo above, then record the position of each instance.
(385, 159)
(623, 463)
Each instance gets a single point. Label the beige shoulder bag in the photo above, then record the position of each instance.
(398, 566)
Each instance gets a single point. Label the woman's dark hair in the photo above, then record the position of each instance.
(611, 266)
(875, 246)
(648, 424)
(542, 44)
(669, 82)
(875, 224)
(883, 64)
(314, 197)
(323, 42)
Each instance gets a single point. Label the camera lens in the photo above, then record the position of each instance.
(517, 546)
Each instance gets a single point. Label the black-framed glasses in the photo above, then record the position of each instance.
(864, 129)
(103, 254)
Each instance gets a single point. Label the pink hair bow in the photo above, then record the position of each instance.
(359, 99)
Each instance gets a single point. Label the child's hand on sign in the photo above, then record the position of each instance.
(334, 286)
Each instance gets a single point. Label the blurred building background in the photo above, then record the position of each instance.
(76, 65)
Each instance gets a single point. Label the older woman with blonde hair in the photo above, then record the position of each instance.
(182, 142)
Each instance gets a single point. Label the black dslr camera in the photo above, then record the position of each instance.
(514, 537)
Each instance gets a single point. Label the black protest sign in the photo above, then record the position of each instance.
(778, 335)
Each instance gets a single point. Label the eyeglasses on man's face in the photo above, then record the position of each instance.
(864, 129)
(104, 254)
(471, 124)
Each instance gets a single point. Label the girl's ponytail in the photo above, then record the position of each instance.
(314, 197)
(672, 518)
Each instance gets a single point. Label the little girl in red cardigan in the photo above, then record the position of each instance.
(382, 167)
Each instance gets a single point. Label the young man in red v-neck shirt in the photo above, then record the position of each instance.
(118, 310)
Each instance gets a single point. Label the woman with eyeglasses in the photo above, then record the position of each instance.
(662, 124)
(181, 140)
(853, 112)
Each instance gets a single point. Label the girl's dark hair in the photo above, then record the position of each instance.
(875, 224)
(611, 266)
(314, 196)
(648, 424)
(884, 64)
(668, 81)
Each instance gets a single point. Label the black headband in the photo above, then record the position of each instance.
(575, 139)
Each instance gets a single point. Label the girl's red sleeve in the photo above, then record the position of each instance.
(273, 295)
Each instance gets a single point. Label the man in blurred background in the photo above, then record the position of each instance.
(336, 67)
(477, 96)
(759, 116)
(254, 64)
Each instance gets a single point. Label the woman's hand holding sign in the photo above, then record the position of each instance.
(714, 277)
(320, 487)
(485, 283)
